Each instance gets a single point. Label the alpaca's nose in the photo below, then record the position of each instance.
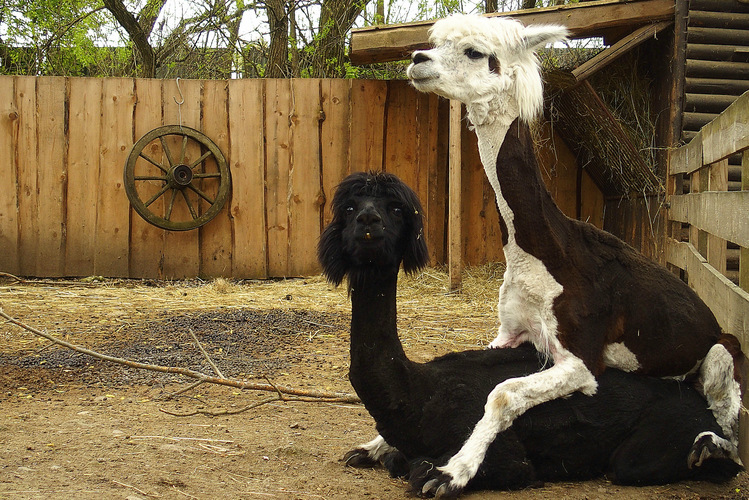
(368, 217)
(419, 57)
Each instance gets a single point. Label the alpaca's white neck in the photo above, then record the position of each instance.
(491, 134)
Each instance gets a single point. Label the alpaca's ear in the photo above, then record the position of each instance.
(539, 35)
(528, 86)
(329, 254)
(416, 254)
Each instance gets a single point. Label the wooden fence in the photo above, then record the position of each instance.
(715, 216)
(64, 143)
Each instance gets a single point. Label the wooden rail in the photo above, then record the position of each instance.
(714, 216)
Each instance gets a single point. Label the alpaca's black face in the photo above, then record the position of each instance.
(377, 224)
(373, 231)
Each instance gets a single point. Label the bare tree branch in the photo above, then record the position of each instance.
(304, 395)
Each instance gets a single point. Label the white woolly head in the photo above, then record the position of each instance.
(489, 64)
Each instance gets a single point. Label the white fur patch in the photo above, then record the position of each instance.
(721, 390)
(377, 448)
(617, 355)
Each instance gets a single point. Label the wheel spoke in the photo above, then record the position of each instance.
(200, 160)
(201, 194)
(207, 176)
(168, 215)
(149, 178)
(189, 205)
(151, 161)
(166, 151)
(184, 150)
(156, 196)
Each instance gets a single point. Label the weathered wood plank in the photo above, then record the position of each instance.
(247, 160)
(305, 190)
(368, 99)
(26, 165)
(611, 54)
(9, 261)
(182, 248)
(744, 251)
(84, 139)
(113, 208)
(688, 158)
(727, 134)
(720, 213)
(454, 218)
(584, 19)
(728, 302)
(335, 137)
(147, 240)
(215, 237)
(279, 107)
(716, 246)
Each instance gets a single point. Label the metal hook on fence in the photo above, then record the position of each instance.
(179, 103)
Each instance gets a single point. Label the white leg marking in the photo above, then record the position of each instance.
(510, 399)
(722, 392)
(730, 449)
(617, 355)
(377, 448)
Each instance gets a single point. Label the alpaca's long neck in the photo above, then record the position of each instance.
(532, 222)
(377, 357)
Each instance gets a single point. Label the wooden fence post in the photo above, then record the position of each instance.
(455, 247)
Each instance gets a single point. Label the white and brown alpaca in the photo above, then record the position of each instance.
(636, 430)
(583, 297)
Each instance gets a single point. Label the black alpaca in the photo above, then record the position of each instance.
(636, 429)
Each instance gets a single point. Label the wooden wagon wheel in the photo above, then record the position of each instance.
(176, 178)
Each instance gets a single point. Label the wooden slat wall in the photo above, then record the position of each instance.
(288, 143)
(714, 216)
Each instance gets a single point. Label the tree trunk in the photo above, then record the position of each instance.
(278, 51)
(336, 19)
(137, 35)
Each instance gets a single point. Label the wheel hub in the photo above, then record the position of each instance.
(182, 175)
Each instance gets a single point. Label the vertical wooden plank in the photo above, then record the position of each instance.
(26, 165)
(147, 240)
(215, 237)
(305, 191)
(368, 98)
(401, 142)
(455, 266)
(279, 108)
(694, 187)
(247, 161)
(744, 253)
(476, 200)
(113, 208)
(84, 131)
(52, 175)
(335, 138)
(432, 175)
(9, 194)
(716, 247)
(182, 248)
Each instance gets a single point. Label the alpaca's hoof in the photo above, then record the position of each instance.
(426, 481)
(359, 458)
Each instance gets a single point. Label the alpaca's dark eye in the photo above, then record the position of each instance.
(397, 211)
(349, 209)
(474, 54)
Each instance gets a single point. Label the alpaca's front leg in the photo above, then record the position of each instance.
(505, 403)
(377, 452)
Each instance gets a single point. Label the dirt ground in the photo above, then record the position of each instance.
(72, 426)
